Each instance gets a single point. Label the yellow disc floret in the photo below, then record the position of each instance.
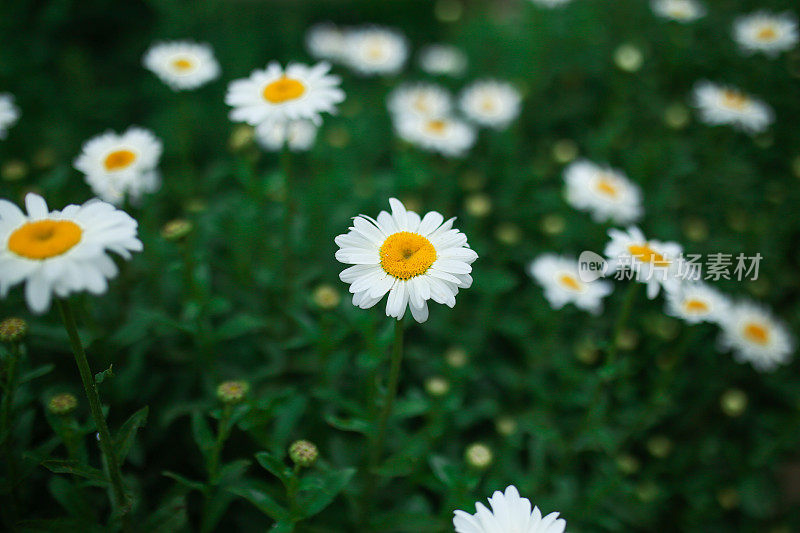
(119, 159)
(645, 254)
(282, 90)
(405, 255)
(43, 239)
(756, 333)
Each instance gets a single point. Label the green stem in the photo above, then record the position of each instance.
(289, 218)
(222, 436)
(119, 499)
(622, 319)
(8, 397)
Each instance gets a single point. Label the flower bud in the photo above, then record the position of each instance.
(478, 455)
(176, 230)
(303, 453)
(437, 386)
(456, 357)
(62, 404)
(326, 296)
(659, 446)
(478, 205)
(733, 402)
(564, 151)
(628, 58)
(13, 329)
(231, 392)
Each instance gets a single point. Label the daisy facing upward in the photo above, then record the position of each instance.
(375, 51)
(412, 259)
(183, 65)
(755, 336)
(490, 103)
(765, 32)
(678, 10)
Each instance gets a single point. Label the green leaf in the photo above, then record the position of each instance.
(233, 471)
(59, 466)
(71, 498)
(36, 373)
(186, 482)
(127, 432)
(351, 424)
(101, 376)
(169, 517)
(275, 466)
(256, 493)
(239, 325)
(319, 489)
(202, 434)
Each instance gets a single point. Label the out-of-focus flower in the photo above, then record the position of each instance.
(553, 224)
(275, 94)
(62, 404)
(628, 57)
(551, 3)
(755, 336)
(303, 453)
(508, 234)
(326, 296)
(297, 135)
(448, 10)
(326, 41)
(733, 402)
(62, 252)
(506, 426)
(456, 357)
(448, 136)
(604, 192)
(9, 114)
(490, 103)
(651, 262)
(177, 229)
(442, 60)
(13, 329)
(678, 10)
(183, 65)
(562, 284)
(509, 513)
(232, 391)
(478, 455)
(719, 104)
(437, 386)
(375, 51)
(659, 446)
(478, 205)
(412, 259)
(422, 100)
(14, 170)
(676, 116)
(766, 32)
(696, 302)
(564, 151)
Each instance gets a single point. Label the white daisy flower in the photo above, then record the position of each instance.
(298, 134)
(654, 263)
(375, 51)
(551, 3)
(413, 259)
(419, 99)
(326, 41)
(120, 165)
(766, 32)
(604, 192)
(696, 302)
(562, 284)
(9, 114)
(679, 10)
(755, 336)
(719, 104)
(62, 252)
(183, 65)
(442, 60)
(510, 513)
(274, 94)
(449, 136)
(490, 103)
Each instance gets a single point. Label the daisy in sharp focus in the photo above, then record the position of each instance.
(117, 166)
(678, 10)
(510, 513)
(298, 135)
(602, 191)
(446, 135)
(696, 302)
(562, 284)
(62, 252)
(375, 51)
(653, 263)
(766, 32)
(755, 336)
(720, 104)
(9, 114)
(183, 65)
(490, 103)
(326, 41)
(419, 99)
(442, 60)
(413, 259)
(275, 94)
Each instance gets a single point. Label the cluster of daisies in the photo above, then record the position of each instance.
(747, 328)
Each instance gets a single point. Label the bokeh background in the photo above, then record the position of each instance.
(675, 436)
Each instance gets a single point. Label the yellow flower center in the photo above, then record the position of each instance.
(43, 239)
(679, 12)
(282, 90)
(645, 254)
(375, 49)
(767, 33)
(605, 185)
(182, 64)
(695, 306)
(421, 104)
(488, 104)
(437, 127)
(405, 255)
(756, 333)
(119, 159)
(733, 99)
(569, 281)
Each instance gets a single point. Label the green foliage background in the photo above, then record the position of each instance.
(184, 316)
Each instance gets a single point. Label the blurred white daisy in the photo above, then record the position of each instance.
(551, 3)
(419, 99)
(117, 166)
(442, 60)
(510, 513)
(9, 114)
(490, 103)
(61, 252)
(183, 65)
(375, 50)
(275, 94)
(653, 263)
(696, 302)
(326, 41)
(413, 259)
(448, 136)
(679, 10)
(755, 336)
(298, 135)
(766, 32)
(562, 284)
(720, 104)
(604, 192)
